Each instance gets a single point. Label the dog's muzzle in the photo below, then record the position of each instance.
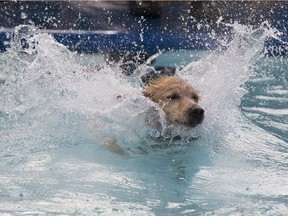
(195, 116)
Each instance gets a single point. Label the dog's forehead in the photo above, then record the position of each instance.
(165, 84)
(185, 87)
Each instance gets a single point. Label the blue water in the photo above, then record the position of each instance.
(58, 108)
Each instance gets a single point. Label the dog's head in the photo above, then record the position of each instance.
(178, 99)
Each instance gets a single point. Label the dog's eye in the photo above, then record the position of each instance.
(173, 96)
(195, 97)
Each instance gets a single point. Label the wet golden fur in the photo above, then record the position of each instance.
(177, 98)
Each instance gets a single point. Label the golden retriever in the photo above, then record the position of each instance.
(177, 98)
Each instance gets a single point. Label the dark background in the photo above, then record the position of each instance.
(172, 16)
(172, 23)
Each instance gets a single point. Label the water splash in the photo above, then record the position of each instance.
(49, 100)
(220, 76)
(43, 80)
(48, 96)
(241, 150)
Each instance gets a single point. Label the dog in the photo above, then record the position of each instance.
(178, 99)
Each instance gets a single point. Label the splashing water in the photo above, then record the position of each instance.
(56, 112)
(45, 88)
(221, 78)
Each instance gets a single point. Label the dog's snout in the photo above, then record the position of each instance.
(197, 110)
(195, 116)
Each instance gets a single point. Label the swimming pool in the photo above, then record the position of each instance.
(57, 108)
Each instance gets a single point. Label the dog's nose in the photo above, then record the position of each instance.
(196, 111)
(195, 116)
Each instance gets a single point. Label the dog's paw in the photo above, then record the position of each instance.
(113, 146)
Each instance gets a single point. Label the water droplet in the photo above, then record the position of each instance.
(23, 15)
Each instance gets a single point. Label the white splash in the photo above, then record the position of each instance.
(46, 81)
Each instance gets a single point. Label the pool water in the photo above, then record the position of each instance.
(59, 107)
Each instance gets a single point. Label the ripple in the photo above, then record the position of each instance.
(269, 111)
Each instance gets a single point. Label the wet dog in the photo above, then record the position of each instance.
(178, 99)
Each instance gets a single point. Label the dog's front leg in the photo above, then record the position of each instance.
(113, 146)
